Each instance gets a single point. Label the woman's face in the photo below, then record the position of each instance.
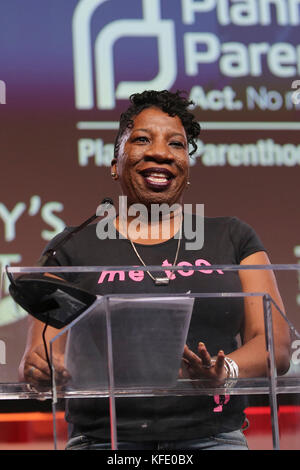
(153, 163)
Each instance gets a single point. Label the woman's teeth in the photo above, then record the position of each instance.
(157, 178)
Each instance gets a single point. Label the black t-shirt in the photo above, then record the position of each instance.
(216, 322)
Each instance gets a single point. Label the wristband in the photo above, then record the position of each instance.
(232, 370)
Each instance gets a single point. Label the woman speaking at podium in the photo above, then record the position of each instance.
(151, 164)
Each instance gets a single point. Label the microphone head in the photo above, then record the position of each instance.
(107, 201)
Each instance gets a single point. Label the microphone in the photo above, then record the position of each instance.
(53, 300)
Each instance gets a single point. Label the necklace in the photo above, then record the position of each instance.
(159, 281)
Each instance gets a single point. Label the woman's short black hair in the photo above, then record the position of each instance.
(173, 104)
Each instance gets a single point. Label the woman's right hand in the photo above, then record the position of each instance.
(34, 369)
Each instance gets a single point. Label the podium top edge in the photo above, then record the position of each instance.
(83, 269)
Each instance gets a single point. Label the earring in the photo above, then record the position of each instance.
(188, 183)
(113, 174)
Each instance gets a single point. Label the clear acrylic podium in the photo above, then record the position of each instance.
(104, 344)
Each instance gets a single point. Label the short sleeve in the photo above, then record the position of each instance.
(63, 255)
(245, 239)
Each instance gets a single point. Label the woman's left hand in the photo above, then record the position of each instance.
(202, 366)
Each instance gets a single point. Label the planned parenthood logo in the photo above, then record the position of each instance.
(201, 47)
(100, 56)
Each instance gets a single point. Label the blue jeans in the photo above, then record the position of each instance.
(234, 440)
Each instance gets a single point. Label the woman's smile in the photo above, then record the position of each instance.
(157, 179)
